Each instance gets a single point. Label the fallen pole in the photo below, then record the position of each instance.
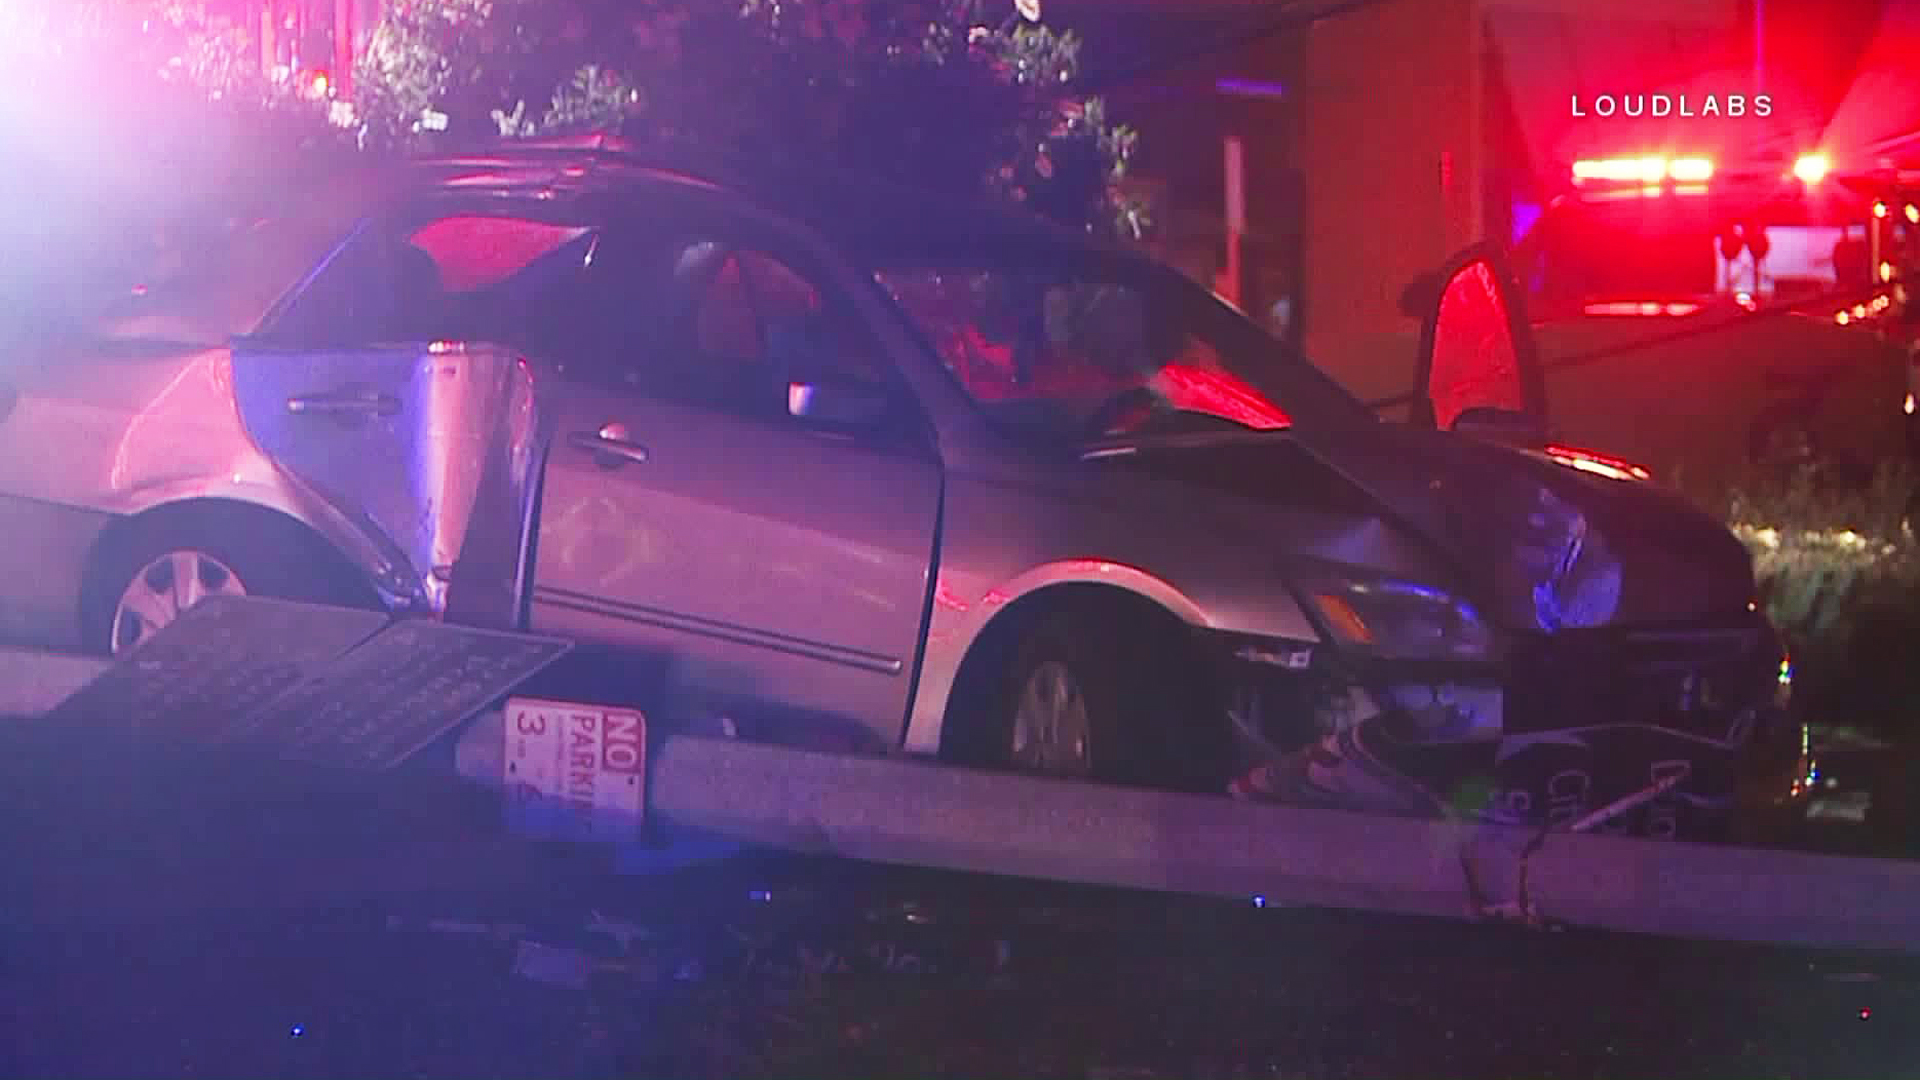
(915, 812)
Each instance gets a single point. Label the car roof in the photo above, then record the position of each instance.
(868, 215)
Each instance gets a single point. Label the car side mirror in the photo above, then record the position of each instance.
(837, 402)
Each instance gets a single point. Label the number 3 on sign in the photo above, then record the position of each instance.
(574, 771)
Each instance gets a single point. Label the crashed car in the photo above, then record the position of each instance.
(869, 471)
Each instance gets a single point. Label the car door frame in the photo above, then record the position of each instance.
(810, 255)
(380, 555)
(911, 435)
(1533, 387)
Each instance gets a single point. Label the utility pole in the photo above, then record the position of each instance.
(269, 37)
(345, 52)
(1232, 280)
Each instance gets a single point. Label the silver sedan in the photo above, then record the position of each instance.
(886, 475)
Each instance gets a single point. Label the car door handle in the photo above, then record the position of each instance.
(344, 404)
(610, 446)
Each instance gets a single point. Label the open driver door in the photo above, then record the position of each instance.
(1479, 367)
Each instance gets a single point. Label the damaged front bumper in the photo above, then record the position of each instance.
(1563, 726)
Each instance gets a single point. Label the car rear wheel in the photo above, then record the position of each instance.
(152, 573)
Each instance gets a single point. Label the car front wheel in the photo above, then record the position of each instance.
(1085, 698)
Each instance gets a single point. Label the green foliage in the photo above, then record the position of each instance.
(937, 93)
(594, 98)
(452, 57)
(1817, 544)
(925, 91)
(1839, 572)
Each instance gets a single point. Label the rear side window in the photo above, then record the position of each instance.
(474, 277)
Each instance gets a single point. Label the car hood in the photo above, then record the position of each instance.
(1541, 546)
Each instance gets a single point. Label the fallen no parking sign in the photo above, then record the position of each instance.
(574, 771)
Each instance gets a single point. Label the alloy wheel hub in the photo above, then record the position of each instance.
(164, 589)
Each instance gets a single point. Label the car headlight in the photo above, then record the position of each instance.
(1395, 619)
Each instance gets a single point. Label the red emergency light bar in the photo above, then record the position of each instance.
(1643, 170)
(1644, 307)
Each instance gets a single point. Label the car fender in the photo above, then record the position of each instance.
(277, 494)
(956, 627)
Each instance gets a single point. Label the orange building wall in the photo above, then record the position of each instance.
(1387, 95)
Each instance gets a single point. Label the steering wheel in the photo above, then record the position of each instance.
(1117, 415)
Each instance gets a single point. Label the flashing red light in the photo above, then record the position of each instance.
(321, 84)
(1599, 464)
(1646, 308)
(1812, 168)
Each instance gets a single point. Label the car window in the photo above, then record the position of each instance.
(474, 277)
(1074, 356)
(735, 327)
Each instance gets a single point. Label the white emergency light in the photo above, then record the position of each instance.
(1649, 170)
(1812, 168)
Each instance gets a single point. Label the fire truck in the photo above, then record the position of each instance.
(1706, 316)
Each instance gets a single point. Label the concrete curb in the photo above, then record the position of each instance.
(32, 683)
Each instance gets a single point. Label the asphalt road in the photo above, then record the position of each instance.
(771, 966)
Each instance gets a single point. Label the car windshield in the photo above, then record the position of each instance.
(1102, 351)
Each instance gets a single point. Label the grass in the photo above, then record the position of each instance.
(1838, 566)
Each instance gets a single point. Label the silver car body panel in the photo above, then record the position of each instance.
(397, 440)
(768, 564)
(1213, 561)
(794, 569)
(41, 567)
(105, 437)
(791, 568)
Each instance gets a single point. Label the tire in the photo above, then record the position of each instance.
(177, 557)
(1117, 699)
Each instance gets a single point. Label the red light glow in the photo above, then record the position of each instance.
(1599, 464)
(475, 252)
(944, 596)
(1194, 388)
(1646, 308)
